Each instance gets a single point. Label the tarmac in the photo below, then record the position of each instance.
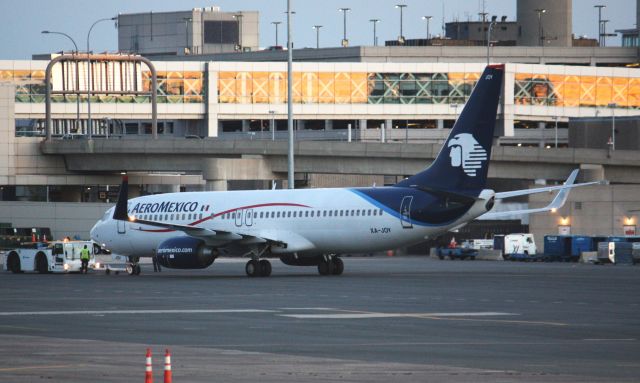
(399, 319)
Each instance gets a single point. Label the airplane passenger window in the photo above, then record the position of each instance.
(341, 213)
(288, 214)
(380, 212)
(375, 212)
(200, 215)
(278, 215)
(324, 213)
(358, 213)
(184, 216)
(172, 217)
(295, 214)
(311, 213)
(330, 213)
(306, 213)
(261, 214)
(369, 212)
(353, 212)
(335, 213)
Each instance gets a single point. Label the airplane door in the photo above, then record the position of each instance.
(405, 212)
(122, 226)
(239, 214)
(248, 217)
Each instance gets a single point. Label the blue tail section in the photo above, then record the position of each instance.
(462, 164)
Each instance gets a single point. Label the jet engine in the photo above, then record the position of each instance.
(185, 253)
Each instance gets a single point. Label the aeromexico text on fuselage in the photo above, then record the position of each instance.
(165, 207)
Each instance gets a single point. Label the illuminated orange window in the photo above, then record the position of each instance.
(309, 84)
(603, 90)
(277, 87)
(587, 91)
(227, 87)
(620, 91)
(326, 94)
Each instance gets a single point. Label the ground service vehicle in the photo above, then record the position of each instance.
(516, 246)
(56, 257)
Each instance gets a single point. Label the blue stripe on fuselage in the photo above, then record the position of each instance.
(390, 198)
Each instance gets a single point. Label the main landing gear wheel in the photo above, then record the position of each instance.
(338, 268)
(331, 266)
(258, 268)
(265, 268)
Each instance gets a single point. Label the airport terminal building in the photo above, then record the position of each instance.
(227, 111)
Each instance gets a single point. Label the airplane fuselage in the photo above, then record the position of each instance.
(316, 221)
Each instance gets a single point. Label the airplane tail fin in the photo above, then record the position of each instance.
(463, 162)
(120, 213)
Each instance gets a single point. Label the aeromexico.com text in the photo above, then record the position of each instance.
(164, 207)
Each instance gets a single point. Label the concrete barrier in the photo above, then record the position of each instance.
(589, 257)
(489, 255)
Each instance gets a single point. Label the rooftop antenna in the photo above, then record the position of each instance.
(443, 26)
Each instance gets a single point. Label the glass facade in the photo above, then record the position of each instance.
(254, 87)
(576, 91)
(346, 87)
(173, 87)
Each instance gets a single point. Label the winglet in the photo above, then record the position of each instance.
(120, 213)
(563, 194)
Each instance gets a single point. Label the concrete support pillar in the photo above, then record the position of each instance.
(245, 125)
(440, 124)
(591, 172)
(383, 133)
(363, 125)
(388, 124)
(216, 185)
(541, 126)
(328, 124)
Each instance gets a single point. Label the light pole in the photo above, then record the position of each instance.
(89, 82)
(613, 107)
(273, 124)
(238, 18)
(604, 32)
(345, 42)
(77, 74)
(491, 25)
(401, 37)
(290, 158)
(556, 131)
(600, 22)
(428, 20)
(276, 23)
(187, 20)
(483, 15)
(375, 35)
(317, 28)
(540, 37)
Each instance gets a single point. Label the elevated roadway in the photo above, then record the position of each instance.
(219, 159)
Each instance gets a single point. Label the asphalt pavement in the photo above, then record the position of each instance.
(400, 319)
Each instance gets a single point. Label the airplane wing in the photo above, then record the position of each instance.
(568, 184)
(558, 201)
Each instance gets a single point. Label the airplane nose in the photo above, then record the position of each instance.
(94, 232)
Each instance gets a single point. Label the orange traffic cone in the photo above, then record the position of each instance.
(167, 367)
(148, 370)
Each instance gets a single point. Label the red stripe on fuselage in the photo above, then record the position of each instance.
(225, 212)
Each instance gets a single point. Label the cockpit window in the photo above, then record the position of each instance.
(107, 215)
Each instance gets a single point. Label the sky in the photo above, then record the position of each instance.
(23, 20)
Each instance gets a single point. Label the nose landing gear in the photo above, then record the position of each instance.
(133, 266)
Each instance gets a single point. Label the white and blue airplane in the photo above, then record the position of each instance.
(312, 227)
